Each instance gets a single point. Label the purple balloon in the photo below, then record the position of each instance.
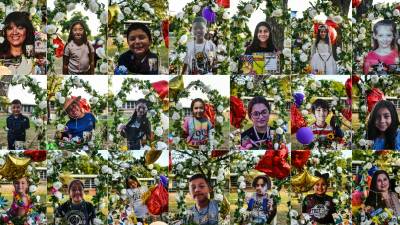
(305, 135)
(164, 181)
(298, 98)
(209, 15)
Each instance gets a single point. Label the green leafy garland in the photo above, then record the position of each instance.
(98, 104)
(302, 33)
(156, 114)
(220, 103)
(39, 111)
(58, 15)
(60, 162)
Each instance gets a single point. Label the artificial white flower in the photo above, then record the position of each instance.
(42, 105)
(104, 169)
(196, 8)
(120, 39)
(58, 195)
(249, 8)
(104, 17)
(103, 68)
(303, 57)
(70, 7)
(1, 39)
(242, 185)
(337, 19)
(32, 188)
(152, 98)
(220, 119)
(363, 108)
(363, 30)
(233, 66)
(146, 6)
(118, 103)
(59, 17)
(94, 100)
(279, 130)
(50, 29)
(93, 6)
(339, 170)
(176, 140)
(127, 10)
(286, 52)
(368, 166)
(60, 127)
(362, 142)
(159, 131)
(374, 79)
(154, 172)
(293, 213)
(250, 85)
(277, 13)
(179, 167)
(225, 15)
(183, 39)
(276, 146)
(98, 221)
(304, 112)
(161, 146)
(101, 53)
(176, 116)
(218, 197)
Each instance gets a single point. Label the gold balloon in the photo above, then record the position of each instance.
(225, 207)
(14, 168)
(165, 106)
(303, 181)
(175, 86)
(147, 194)
(113, 11)
(66, 178)
(152, 156)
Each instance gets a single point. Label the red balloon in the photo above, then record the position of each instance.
(274, 163)
(355, 3)
(210, 113)
(296, 119)
(374, 96)
(355, 79)
(346, 112)
(161, 88)
(158, 200)
(36, 155)
(238, 111)
(348, 86)
(60, 49)
(223, 3)
(299, 158)
(165, 30)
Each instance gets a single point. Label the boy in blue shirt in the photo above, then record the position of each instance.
(205, 212)
(80, 121)
(17, 124)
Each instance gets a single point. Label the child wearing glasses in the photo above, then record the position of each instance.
(138, 129)
(259, 135)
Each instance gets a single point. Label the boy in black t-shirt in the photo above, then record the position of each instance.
(17, 124)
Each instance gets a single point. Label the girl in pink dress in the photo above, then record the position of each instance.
(385, 48)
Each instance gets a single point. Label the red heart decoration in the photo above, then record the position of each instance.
(161, 88)
(299, 158)
(297, 120)
(278, 166)
(374, 96)
(238, 112)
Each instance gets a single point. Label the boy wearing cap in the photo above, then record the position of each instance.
(200, 53)
(76, 210)
(205, 212)
(80, 121)
(17, 124)
(262, 209)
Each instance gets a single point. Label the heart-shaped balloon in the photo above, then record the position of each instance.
(161, 88)
(299, 158)
(278, 167)
(296, 119)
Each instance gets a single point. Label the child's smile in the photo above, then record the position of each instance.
(138, 42)
(16, 35)
(77, 31)
(384, 36)
(383, 119)
(198, 110)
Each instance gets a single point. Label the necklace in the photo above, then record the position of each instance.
(323, 60)
(259, 140)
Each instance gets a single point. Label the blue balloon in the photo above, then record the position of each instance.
(305, 135)
(373, 170)
(164, 181)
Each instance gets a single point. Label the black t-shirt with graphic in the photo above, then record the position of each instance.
(76, 214)
(320, 208)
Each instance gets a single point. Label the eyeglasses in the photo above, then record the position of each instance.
(257, 114)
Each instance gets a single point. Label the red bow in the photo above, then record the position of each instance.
(209, 112)
(297, 120)
(223, 3)
(374, 96)
(60, 49)
(238, 112)
(36, 155)
(274, 163)
(165, 31)
(161, 88)
(299, 158)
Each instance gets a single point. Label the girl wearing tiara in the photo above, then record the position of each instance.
(322, 61)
